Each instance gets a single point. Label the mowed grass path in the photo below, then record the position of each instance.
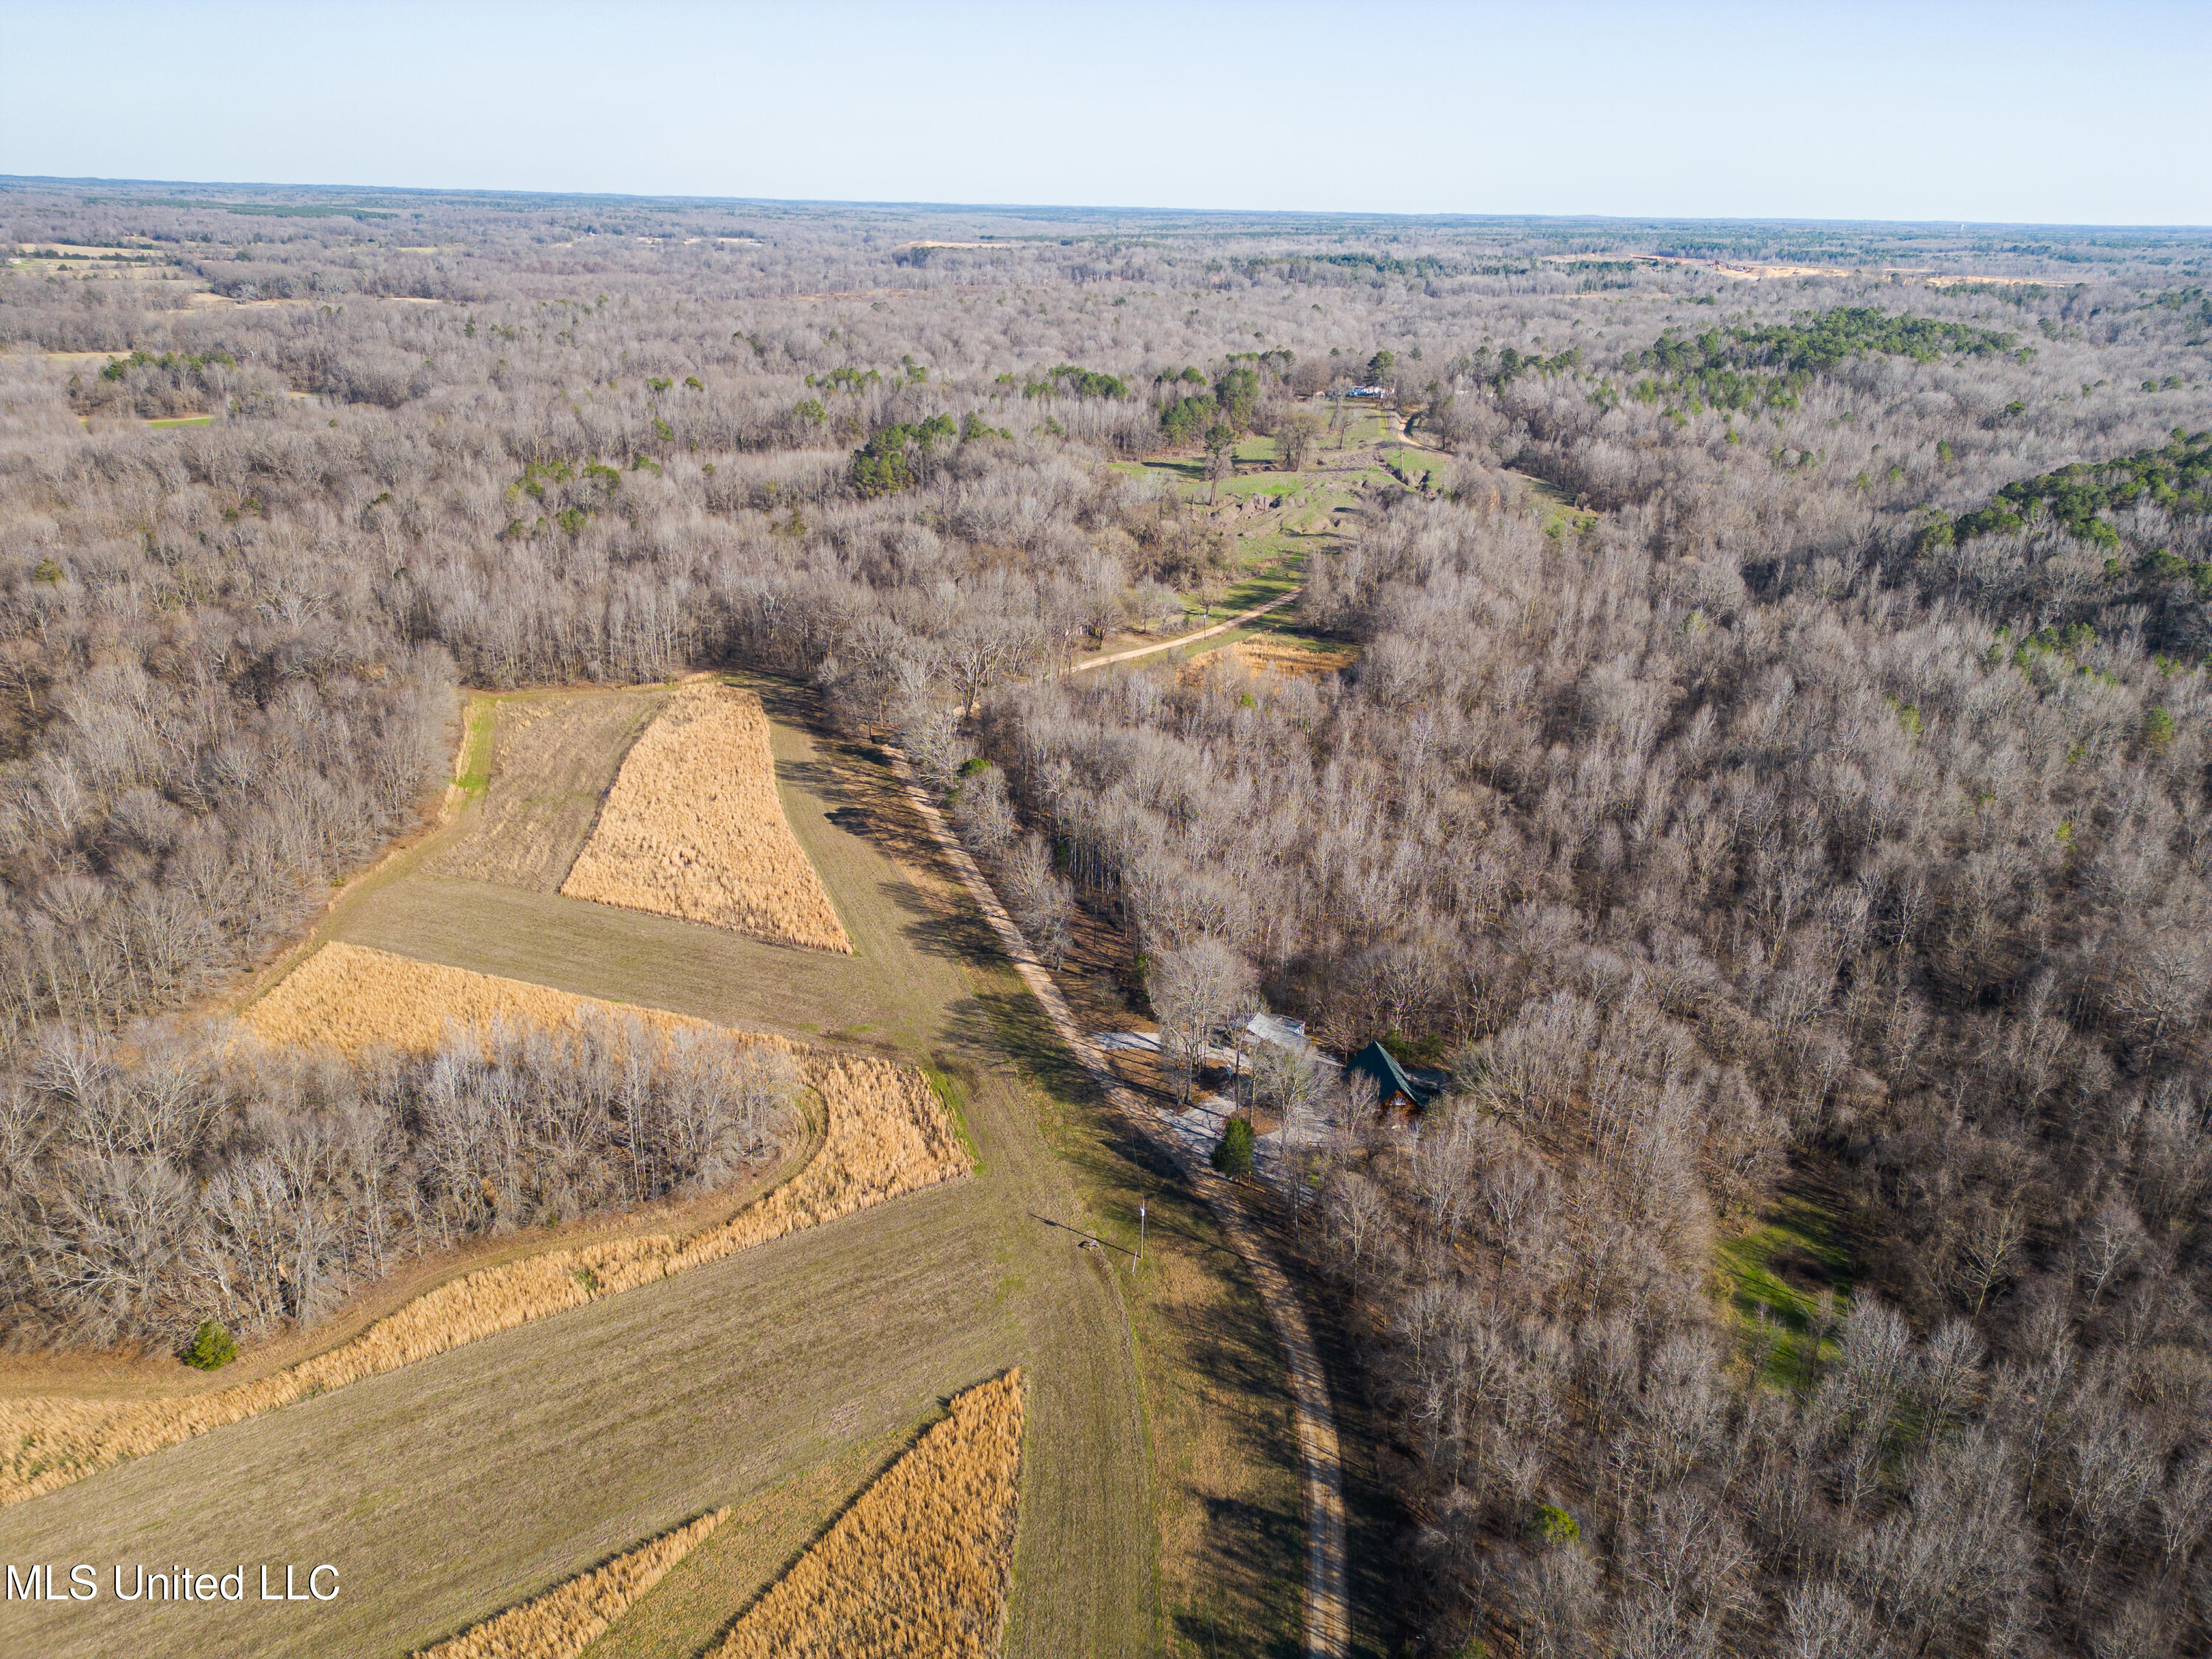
(455, 1487)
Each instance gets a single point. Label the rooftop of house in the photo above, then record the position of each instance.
(1417, 1084)
(1278, 1029)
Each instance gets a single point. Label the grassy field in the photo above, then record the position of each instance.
(917, 1567)
(1273, 644)
(862, 1555)
(555, 758)
(473, 1480)
(1779, 1269)
(568, 1618)
(1416, 463)
(693, 828)
(697, 1601)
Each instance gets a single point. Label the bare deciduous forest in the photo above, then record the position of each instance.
(1770, 773)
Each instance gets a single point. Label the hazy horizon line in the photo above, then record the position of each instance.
(11, 180)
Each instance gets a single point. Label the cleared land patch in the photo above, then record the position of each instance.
(693, 828)
(689, 1611)
(919, 1565)
(562, 1623)
(554, 760)
(886, 1134)
(1793, 1272)
(489, 1474)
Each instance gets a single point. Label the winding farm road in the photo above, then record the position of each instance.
(1237, 621)
(1327, 1612)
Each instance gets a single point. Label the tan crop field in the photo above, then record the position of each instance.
(693, 828)
(562, 1623)
(773, 1379)
(692, 1608)
(918, 1567)
(554, 758)
(885, 1134)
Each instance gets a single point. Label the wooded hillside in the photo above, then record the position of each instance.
(1769, 769)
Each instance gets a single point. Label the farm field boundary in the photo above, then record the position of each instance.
(885, 1134)
(922, 1561)
(552, 759)
(564, 1621)
(693, 828)
(694, 1607)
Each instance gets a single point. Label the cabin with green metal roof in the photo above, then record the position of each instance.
(1396, 1089)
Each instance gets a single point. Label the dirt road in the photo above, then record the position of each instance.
(1328, 1622)
(1237, 621)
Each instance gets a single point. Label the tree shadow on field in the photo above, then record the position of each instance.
(1113, 1154)
(1245, 1547)
(1251, 1550)
(823, 779)
(1375, 1524)
(958, 936)
(859, 796)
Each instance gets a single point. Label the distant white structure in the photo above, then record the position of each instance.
(1280, 1030)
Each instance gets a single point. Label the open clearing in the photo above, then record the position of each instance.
(693, 829)
(553, 760)
(918, 1567)
(562, 1623)
(476, 1478)
(1779, 1270)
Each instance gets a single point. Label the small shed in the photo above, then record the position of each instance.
(1396, 1088)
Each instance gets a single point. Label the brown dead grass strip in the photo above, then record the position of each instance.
(694, 829)
(565, 1621)
(885, 1134)
(918, 1568)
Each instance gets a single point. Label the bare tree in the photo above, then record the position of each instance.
(1194, 990)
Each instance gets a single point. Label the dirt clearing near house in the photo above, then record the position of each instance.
(693, 828)
(554, 760)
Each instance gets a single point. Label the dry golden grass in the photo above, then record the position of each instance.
(565, 1621)
(350, 997)
(553, 759)
(691, 1609)
(885, 1134)
(693, 829)
(918, 1567)
(1269, 652)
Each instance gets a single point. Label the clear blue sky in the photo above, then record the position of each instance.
(2023, 112)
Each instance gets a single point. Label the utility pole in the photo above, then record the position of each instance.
(1140, 1237)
